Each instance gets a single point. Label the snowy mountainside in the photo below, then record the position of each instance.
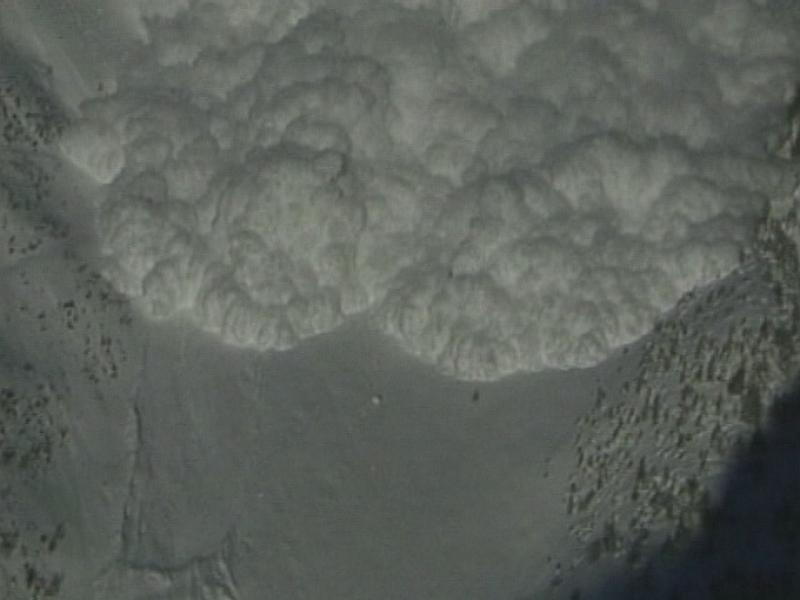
(70, 360)
(652, 453)
(112, 488)
(30, 121)
(29, 114)
(66, 358)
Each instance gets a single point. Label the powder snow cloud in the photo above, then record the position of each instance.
(500, 186)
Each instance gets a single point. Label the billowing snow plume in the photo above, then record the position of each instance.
(502, 186)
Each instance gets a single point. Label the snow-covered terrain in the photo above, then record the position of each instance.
(653, 455)
(426, 299)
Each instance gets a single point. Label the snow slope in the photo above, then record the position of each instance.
(143, 458)
(189, 469)
(654, 454)
(148, 460)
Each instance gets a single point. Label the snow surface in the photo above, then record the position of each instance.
(402, 197)
(166, 465)
(498, 186)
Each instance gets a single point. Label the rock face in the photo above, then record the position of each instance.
(652, 456)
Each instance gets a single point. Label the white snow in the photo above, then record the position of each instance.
(412, 161)
(95, 149)
(403, 198)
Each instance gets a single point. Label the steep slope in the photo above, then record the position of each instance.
(652, 455)
(68, 359)
(121, 466)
